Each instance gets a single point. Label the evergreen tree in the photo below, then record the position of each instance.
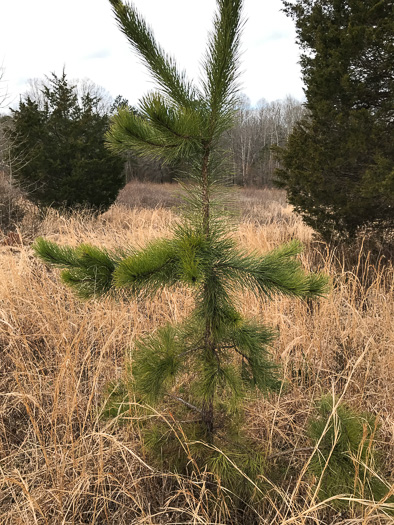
(338, 166)
(224, 353)
(346, 462)
(68, 163)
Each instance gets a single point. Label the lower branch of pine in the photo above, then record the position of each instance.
(186, 403)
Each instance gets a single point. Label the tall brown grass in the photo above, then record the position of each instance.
(61, 462)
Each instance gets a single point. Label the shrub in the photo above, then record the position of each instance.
(346, 462)
(62, 140)
(338, 165)
(12, 209)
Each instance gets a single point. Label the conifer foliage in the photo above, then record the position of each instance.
(338, 165)
(63, 141)
(223, 353)
(347, 461)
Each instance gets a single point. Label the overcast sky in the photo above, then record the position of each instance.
(38, 37)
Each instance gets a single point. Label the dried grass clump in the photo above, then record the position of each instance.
(62, 463)
(138, 194)
(12, 209)
(259, 206)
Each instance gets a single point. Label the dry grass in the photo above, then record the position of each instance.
(62, 463)
(261, 206)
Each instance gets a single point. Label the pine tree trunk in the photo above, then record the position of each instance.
(207, 408)
(208, 418)
(205, 191)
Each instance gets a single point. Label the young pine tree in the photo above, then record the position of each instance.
(224, 352)
(347, 461)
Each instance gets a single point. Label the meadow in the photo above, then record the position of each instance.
(63, 462)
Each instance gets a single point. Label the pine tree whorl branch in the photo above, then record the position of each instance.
(224, 353)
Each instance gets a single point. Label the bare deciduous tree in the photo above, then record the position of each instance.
(10, 210)
(256, 130)
(83, 87)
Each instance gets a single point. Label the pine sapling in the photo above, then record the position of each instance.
(346, 463)
(224, 353)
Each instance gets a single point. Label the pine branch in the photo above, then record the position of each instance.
(250, 341)
(161, 66)
(132, 132)
(179, 122)
(88, 270)
(156, 362)
(149, 270)
(186, 403)
(162, 263)
(51, 253)
(221, 62)
(278, 272)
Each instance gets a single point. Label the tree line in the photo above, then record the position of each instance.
(59, 123)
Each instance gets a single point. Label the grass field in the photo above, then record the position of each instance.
(61, 462)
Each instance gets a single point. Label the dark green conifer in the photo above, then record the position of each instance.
(224, 353)
(338, 165)
(63, 141)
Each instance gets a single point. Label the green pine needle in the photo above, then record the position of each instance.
(347, 461)
(157, 361)
(88, 270)
(51, 253)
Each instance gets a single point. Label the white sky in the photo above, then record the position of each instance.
(38, 37)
